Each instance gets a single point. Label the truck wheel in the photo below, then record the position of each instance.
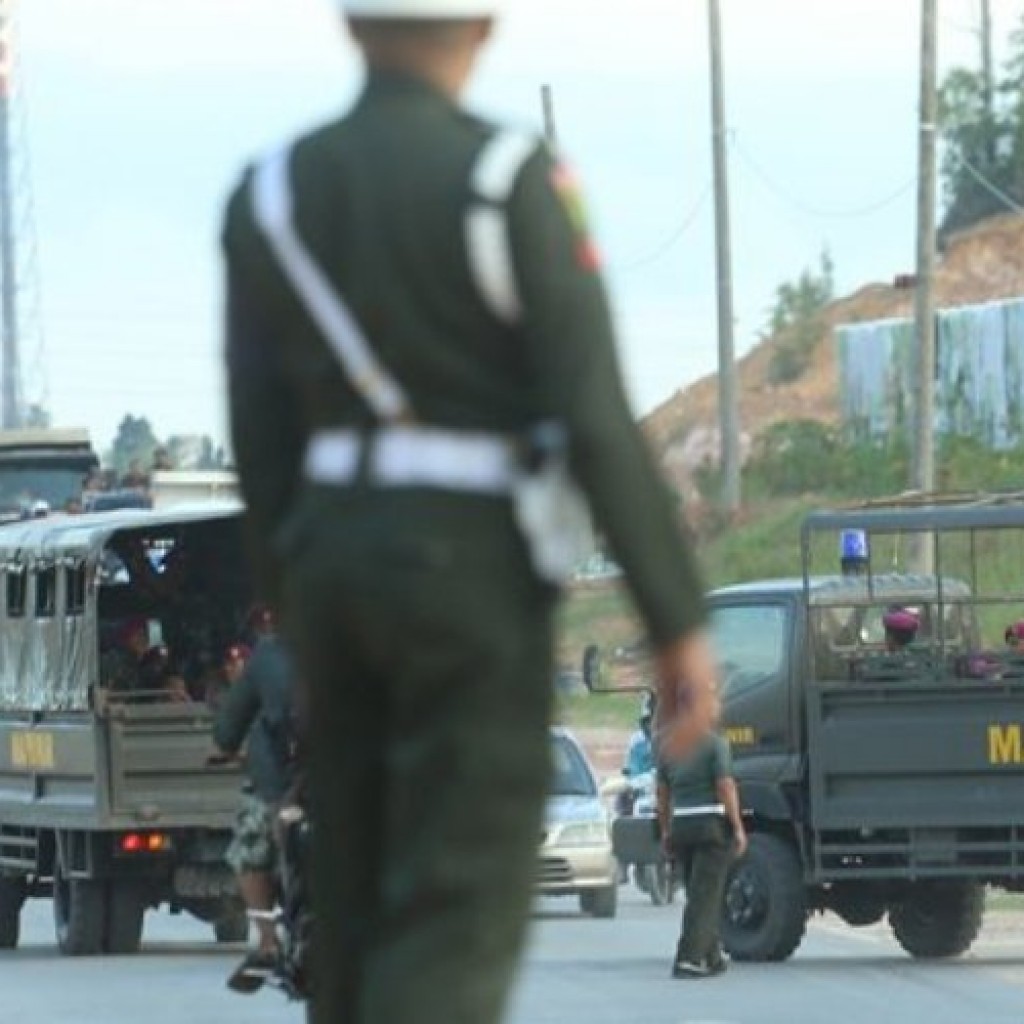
(938, 919)
(232, 926)
(126, 909)
(600, 902)
(12, 897)
(80, 915)
(765, 902)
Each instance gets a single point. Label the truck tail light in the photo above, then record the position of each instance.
(144, 842)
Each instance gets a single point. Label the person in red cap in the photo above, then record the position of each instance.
(901, 626)
(228, 672)
(259, 624)
(120, 670)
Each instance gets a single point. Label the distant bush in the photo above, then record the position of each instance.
(795, 321)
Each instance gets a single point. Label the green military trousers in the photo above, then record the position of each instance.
(702, 845)
(424, 642)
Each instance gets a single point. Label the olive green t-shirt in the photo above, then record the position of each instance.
(692, 780)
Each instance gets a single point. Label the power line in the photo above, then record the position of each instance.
(989, 186)
(815, 211)
(665, 247)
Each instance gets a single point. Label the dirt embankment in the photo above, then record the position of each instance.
(980, 265)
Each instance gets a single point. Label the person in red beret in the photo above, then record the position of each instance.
(229, 671)
(120, 668)
(901, 626)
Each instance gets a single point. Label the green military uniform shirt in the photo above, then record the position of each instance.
(693, 780)
(376, 207)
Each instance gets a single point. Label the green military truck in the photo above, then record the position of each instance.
(108, 803)
(877, 782)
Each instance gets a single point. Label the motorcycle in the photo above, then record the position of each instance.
(292, 920)
(636, 805)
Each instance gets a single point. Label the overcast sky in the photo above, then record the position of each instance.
(139, 114)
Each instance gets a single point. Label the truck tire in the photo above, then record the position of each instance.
(938, 919)
(12, 897)
(232, 925)
(80, 915)
(765, 913)
(600, 902)
(126, 908)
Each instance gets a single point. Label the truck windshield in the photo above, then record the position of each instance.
(56, 485)
(750, 643)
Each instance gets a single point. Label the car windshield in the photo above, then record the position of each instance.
(570, 775)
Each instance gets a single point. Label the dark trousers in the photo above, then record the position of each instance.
(425, 644)
(702, 845)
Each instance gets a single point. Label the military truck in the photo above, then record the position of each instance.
(108, 802)
(42, 467)
(876, 782)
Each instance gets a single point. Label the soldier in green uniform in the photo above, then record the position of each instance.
(702, 830)
(411, 291)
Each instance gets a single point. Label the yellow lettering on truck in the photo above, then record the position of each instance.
(741, 736)
(32, 749)
(1004, 744)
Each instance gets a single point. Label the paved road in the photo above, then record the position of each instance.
(579, 971)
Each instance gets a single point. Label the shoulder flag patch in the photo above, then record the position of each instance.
(567, 188)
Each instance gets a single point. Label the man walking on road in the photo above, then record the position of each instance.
(416, 322)
(702, 830)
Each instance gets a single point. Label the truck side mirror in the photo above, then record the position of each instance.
(592, 667)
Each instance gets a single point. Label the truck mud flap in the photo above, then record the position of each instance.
(635, 840)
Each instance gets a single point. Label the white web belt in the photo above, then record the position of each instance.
(399, 456)
(692, 812)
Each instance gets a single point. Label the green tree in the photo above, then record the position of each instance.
(983, 157)
(134, 442)
(795, 324)
(38, 416)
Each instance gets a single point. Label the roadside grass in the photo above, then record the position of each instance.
(997, 900)
(765, 544)
(599, 711)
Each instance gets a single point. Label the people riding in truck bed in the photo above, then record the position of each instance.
(228, 672)
(120, 667)
(901, 626)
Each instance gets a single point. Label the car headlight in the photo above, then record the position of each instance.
(584, 833)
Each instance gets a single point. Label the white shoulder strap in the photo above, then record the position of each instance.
(272, 206)
(488, 245)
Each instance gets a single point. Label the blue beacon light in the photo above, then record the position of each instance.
(854, 553)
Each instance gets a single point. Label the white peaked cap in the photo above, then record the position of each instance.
(420, 9)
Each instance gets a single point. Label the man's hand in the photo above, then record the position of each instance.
(688, 702)
(741, 842)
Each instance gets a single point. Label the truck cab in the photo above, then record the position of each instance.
(42, 466)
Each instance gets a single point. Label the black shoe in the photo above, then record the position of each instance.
(689, 969)
(252, 973)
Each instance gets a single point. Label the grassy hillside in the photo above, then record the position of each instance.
(766, 545)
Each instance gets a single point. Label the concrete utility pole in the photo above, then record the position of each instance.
(728, 403)
(547, 99)
(988, 78)
(924, 305)
(10, 372)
